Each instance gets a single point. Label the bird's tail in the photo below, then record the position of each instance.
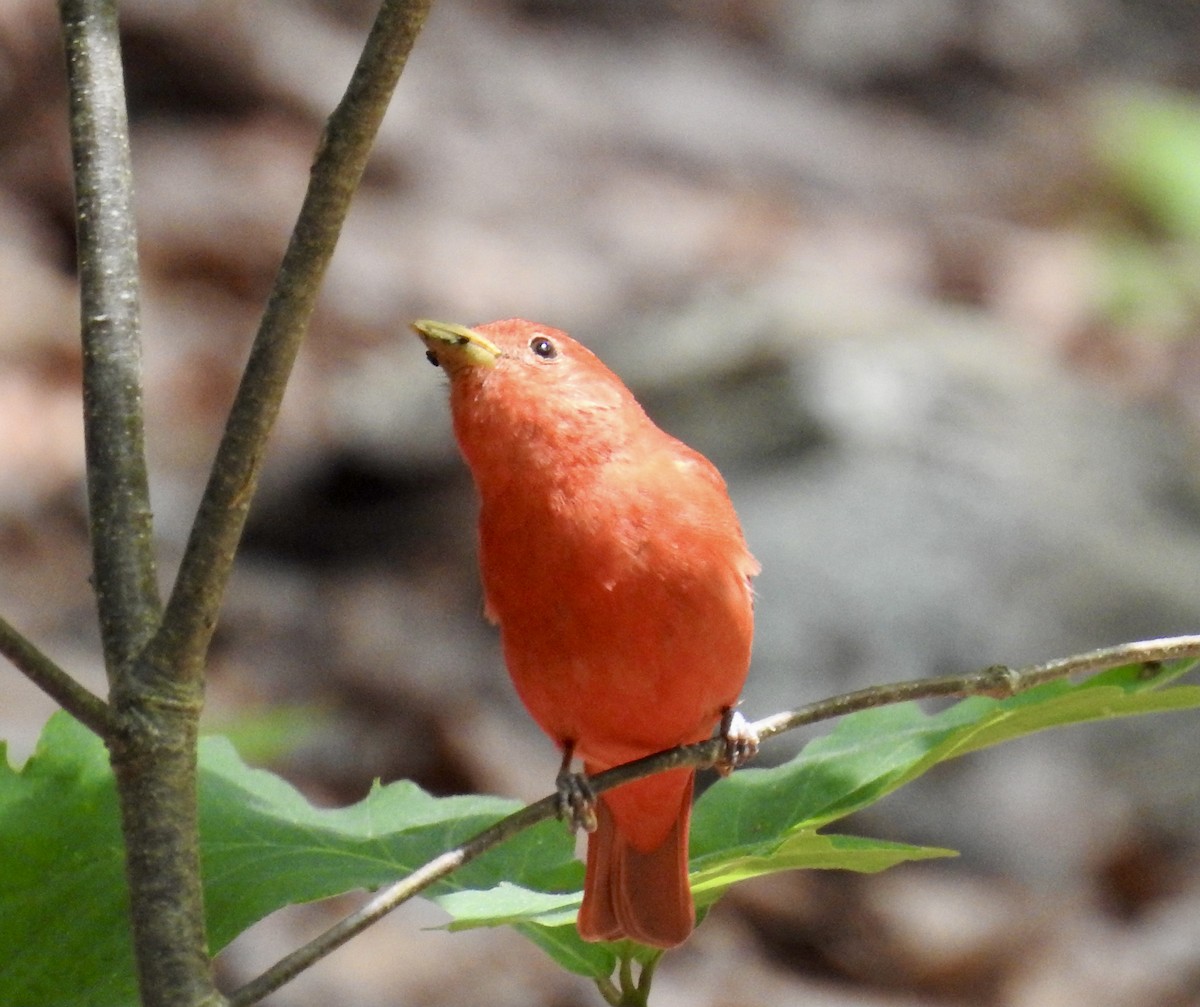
(640, 895)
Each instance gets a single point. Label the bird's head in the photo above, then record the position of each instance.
(522, 388)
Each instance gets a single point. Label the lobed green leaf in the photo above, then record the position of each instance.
(62, 892)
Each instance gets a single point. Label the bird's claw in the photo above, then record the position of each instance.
(576, 801)
(576, 798)
(741, 742)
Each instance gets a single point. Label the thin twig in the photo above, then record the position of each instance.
(118, 491)
(995, 681)
(608, 990)
(84, 705)
(192, 609)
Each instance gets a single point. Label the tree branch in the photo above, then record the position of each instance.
(118, 492)
(85, 706)
(192, 609)
(151, 728)
(155, 659)
(997, 682)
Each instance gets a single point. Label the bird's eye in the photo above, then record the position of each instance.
(543, 348)
(432, 358)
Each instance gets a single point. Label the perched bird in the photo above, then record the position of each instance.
(616, 568)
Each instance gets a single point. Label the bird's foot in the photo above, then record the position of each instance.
(741, 742)
(576, 799)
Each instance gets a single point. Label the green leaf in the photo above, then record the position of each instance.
(762, 821)
(804, 850)
(265, 846)
(758, 813)
(63, 916)
(62, 895)
(595, 961)
(563, 944)
(62, 889)
(507, 904)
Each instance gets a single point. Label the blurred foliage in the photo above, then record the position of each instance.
(268, 736)
(1148, 146)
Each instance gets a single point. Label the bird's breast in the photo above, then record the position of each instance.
(625, 627)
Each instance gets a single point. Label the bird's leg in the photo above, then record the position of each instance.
(576, 799)
(741, 741)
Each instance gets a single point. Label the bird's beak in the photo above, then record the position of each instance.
(456, 345)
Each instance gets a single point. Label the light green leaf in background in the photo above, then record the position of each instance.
(1150, 143)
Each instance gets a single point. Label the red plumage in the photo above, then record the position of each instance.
(613, 562)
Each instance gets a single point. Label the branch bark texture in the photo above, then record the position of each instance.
(84, 705)
(118, 491)
(151, 734)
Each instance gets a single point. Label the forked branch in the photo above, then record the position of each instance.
(191, 613)
(84, 705)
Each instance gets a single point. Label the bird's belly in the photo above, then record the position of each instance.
(628, 669)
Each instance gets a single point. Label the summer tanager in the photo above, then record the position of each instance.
(615, 566)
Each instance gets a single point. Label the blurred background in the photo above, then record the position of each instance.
(921, 276)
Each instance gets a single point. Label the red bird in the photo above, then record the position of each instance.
(615, 566)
